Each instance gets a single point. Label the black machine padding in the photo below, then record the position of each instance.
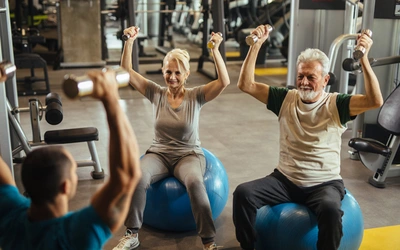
(389, 114)
(71, 135)
(369, 146)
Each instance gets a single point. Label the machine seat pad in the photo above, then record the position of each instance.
(71, 135)
(370, 146)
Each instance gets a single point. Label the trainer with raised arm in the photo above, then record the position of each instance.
(49, 176)
(311, 124)
(176, 148)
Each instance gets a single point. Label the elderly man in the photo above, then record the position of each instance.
(311, 124)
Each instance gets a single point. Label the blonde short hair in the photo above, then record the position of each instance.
(181, 56)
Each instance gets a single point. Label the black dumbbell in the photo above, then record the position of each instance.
(54, 112)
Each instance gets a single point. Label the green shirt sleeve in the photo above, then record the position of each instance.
(278, 94)
(342, 104)
(275, 98)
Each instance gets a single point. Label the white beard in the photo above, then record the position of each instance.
(308, 95)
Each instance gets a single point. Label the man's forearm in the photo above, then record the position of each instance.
(371, 84)
(246, 76)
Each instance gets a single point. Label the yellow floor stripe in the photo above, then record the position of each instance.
(270, 71)
(383, 238)
(232, 54)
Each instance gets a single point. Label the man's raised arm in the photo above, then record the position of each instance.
(373, 97)
(113, 199)
(246, 81)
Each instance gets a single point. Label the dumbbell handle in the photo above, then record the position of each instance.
(252, 38)
(125, 37)
(78, 86)
(211, 44)
(7, 69)
(359, 51)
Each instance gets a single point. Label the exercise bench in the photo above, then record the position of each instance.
(376, 155)
(53, 110)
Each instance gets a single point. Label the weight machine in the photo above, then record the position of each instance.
(314, 24)
(13, 140)
(365, 125)
(8, 89)
(385, 14)
(218, 25)
(25, 40)
(381, 158)
(54, 116)
(217, 10)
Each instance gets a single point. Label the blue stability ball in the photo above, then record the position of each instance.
(291, 226)
(168, 205)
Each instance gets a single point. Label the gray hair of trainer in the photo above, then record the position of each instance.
(310, 55)
(181, 56)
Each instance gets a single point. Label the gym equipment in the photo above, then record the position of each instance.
(166, 28)
(168, 206)
(8, 89)
(360, 50)
(63, 136)
(81, 18)
(349, 64)
(252, 39)
(25, 40)
(78, 86)
(44, 16)
(289, 226)
(254, 13)
(314, 24)
(32, 61)
(54, 113)
(168, 17)
(125, 37)
(184, 16)
(376, 16)
(218, 24)
(376, 155)
(211, 44)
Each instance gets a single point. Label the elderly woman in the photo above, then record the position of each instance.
(176, 147)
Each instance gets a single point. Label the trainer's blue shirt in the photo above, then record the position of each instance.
(82, 229)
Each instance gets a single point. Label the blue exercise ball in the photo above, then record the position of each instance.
(290, 226)
(168, 205)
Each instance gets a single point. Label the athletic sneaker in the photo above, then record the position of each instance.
(128, 242)
(211, 247)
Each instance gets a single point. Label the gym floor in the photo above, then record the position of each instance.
(235, 127)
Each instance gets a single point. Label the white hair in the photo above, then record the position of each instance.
(315, 55)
